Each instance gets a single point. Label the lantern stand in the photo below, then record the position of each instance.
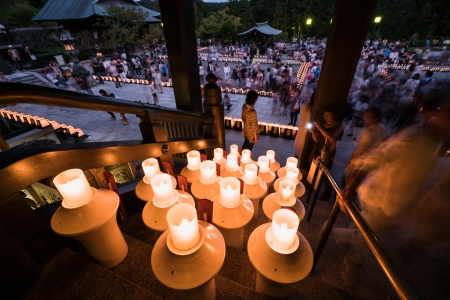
(299, 188)
(155, 211)
(275, 201)
(179, 270)
(207, 185)
(276, 272)
(231, 220)
(90, 218)
(254, 188)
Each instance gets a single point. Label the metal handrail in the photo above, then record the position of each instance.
(404, 288)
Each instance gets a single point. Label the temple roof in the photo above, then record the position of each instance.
(64, 10)
(263, 29)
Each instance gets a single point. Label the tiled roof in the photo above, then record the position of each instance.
(263, 29)
(57, 10)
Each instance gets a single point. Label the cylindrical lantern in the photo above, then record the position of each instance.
(251, 174)
(263, 163)
(230, 195)
(163, 190)
(208, 172)
(246, 156)
(285, 194)
(232, 164)
(284, 230)
(218, 155)
(73, 187)
(183, 226)
(234, 150)
(271, 155)
(292, 174)
(151, 168)
(291, 162)
(194, 161)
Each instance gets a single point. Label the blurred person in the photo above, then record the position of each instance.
(373, 135)
(358, 113)
(285, 99)
(325, 136)
(157, 81)
(250, 120)
(294, 107)
(105, 94)
(305, 117)
(113, 72)
(15, 57)
(121, 71)
(426, 84)
(153, 92)
(163, 71)
(122, 115)
(3, 78)
(389, 178)
(97, 70)
(226, 71)
(227, 101)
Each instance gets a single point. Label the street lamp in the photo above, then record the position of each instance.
(308, 22)
(376, 21)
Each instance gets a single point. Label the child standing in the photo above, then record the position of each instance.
(153, 92)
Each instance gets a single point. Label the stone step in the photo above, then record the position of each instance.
(71, 276)
(237, 270)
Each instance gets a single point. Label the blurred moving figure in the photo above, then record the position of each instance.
(389, 178)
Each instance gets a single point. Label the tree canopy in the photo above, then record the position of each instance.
(18, 13)
(221, 26)
(122, 26)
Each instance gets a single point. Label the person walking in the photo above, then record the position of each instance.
(113, 72)
(122, 115)
(105, 94)
(157, 80)
(250, 120)
(294, 107)
(96, 69)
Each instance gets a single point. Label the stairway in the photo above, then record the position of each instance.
(72, 275)
(31, 78)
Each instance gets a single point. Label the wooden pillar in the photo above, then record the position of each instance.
(179, 32)
(351, 20)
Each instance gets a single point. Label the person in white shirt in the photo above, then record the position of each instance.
(157, 79)
(201, 72)
(153, 92)
(226, 71)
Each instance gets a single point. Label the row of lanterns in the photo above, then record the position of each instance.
(266, 128)
(442, 63)
(42, 123)
(204, 57)
(301, 74)
(434, 69)
(233, 185)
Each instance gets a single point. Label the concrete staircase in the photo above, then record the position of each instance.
(31, 78)
(72, 274)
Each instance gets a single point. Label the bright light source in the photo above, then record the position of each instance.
(308, 21)
(377, 20)
(309, 125)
